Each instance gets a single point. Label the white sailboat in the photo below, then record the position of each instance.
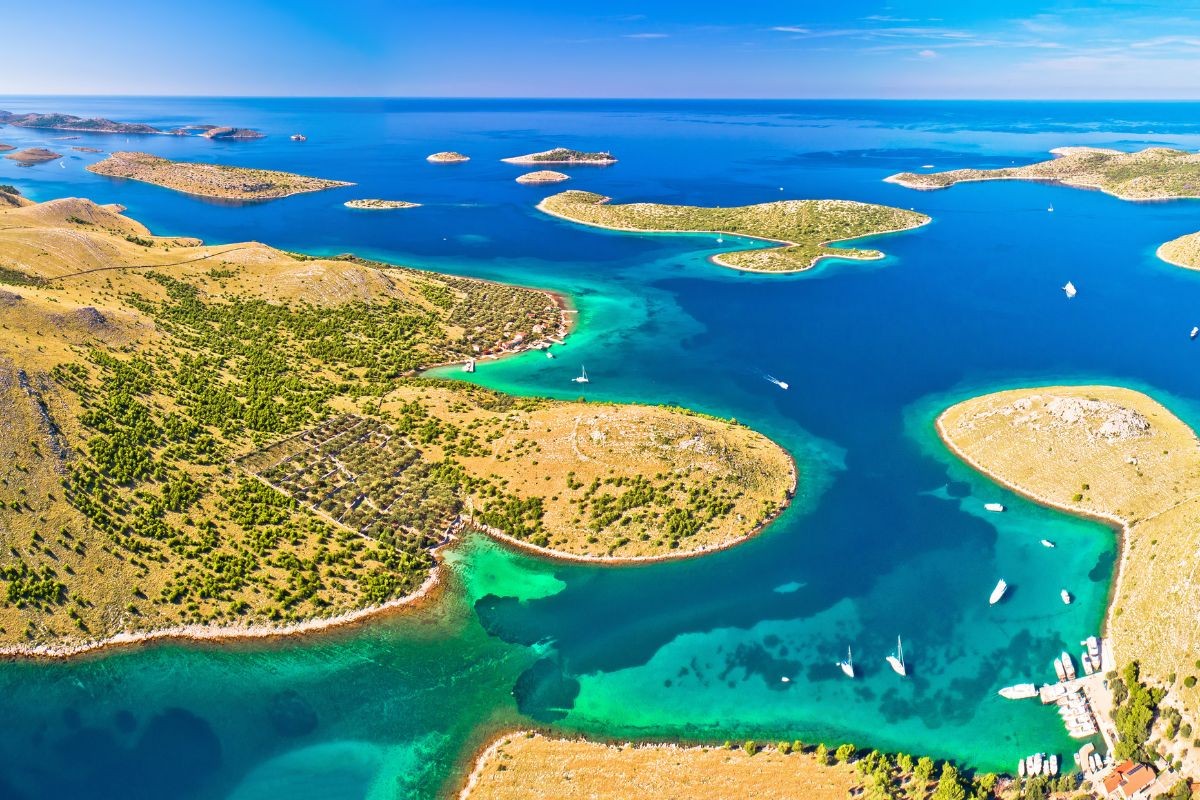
(1070, 290)
(469, 366)
(896, 660)
(998, 592)
(583, 378)
(847, 665)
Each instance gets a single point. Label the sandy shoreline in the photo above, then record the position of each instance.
(716, 259)
(1118, 525)
(1159, 255)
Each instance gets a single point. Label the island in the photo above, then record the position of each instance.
(87, 149)
(33, 155)
(1116, 455)
(379, 205)
(803, 229)
(4, 148)
(563, 155)
(542, 176)
(524, 765)
(232, 440)
(224, 132)
(69, 122)
(447, 157)
(210, 180)
(1155, 173)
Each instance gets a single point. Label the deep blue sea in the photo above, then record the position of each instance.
(887, 536)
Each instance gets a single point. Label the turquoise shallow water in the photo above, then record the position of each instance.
(887, 536)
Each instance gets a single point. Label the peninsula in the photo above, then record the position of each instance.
(803, 229)
(520, 766)
(447, 157)
(225, 132)
(563, 155)
(379, 205)
(69, 122)
(1156, 173)
(209, 180)
(1117, 455)
(542, 176)
(33, 155)
(1182, 252)
(173, 413)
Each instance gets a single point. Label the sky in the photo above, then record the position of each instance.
(532, 48)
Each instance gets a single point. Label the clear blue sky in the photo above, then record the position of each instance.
(530, 48)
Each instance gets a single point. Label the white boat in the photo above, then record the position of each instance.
(994, 507)
(299, 137)
(1036, 767)
(1053, 765)
(1194, 332)
(896, 660)
(583, 378)
(1019, 691)
(1093, 647)
(1047, 543)
(927, 166)
(847, 665)
(1068, 665)
(998, 592)
(1021, 768)
(1051, 208)
(776, 381)
(1066, 597)
(1070, 290)
(469, 366)
(549, 354)
(1059, 669)
(785, 679)
(720, 239)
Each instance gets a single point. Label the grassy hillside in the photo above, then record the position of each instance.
(155, 389)
(804, 226)
(210, 180)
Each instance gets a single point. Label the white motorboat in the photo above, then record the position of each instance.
(1068, 666)
(1059, 669)
(298, 137)
(998, 592)
(1019, 691)
(1066, 597)
(469, 366)
(995, 508)
(1070, 290)
(896, 660)
(1047, 543)
(1195, 332)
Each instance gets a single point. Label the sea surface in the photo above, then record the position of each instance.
(887, 537)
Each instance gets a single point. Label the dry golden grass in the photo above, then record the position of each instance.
(210, 180)
(1117, 454)
(521, 767)
(1182, 252)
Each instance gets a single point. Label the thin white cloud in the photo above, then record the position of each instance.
(790, 29)
(927, 54)
(646, 36)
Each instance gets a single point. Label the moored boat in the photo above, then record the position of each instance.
(583, 378)
(298, 137)
(994, 507)
(896, 660)
(1066, 597)
(1047, 543)
(1070, 290)
(1052, 765)
(847, 665)
(1019, 691)
(1059, 669)
(998, 592)
(1068, 666)
(469, 366)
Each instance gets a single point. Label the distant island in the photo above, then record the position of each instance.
(447, 157)
(1156, 173)
(1182, 252)
(4, 148)
(562, 155)
(69, 122)
(379, 205)
(542, 176)
(802, 228)
(222, 132)
(1117, 455)
(210, 180)
(33, 155)
(87, 149)
(231, 440)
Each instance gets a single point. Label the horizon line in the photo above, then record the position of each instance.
(844, 98)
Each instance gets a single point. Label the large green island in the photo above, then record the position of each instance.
(1156, 173)
(802, 228)
(232, 440)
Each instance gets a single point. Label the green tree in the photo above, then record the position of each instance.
(844, 753)
(923, 771)
(822, 754)
(949, 785)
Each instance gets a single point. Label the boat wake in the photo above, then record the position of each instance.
(774, 380)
